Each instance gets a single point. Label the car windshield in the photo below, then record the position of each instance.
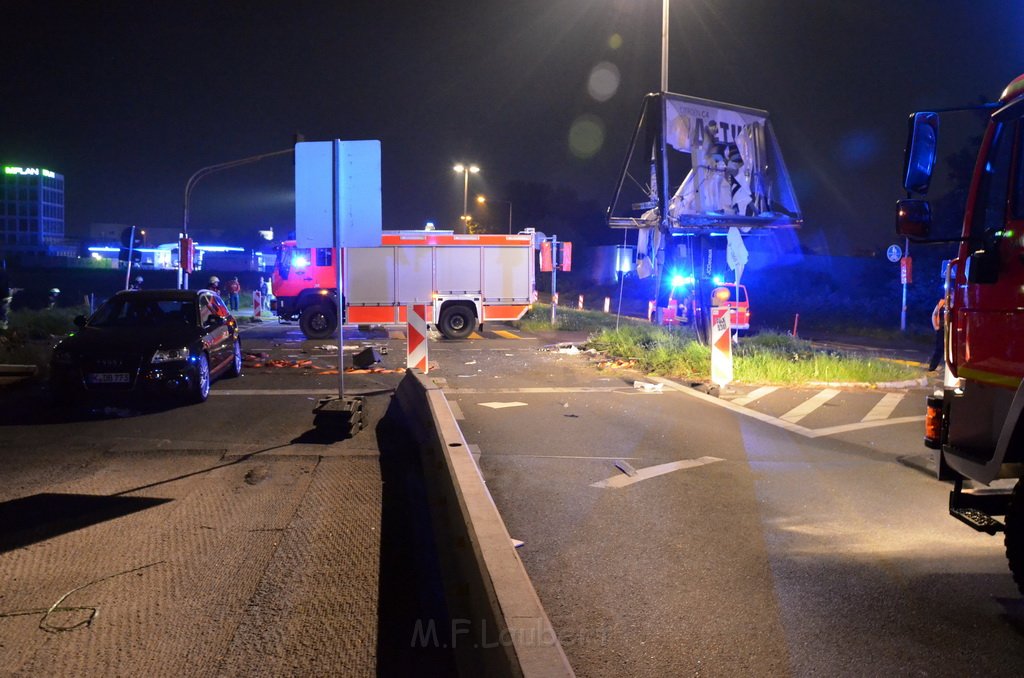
(144, 313)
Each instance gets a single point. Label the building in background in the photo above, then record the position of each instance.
(32, 214)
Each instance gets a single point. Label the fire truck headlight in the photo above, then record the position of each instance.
(299, 261)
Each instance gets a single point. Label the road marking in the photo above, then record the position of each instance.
(500, 406)
(542, 389)
(810, 405)
(456, 410)
(619, 481)
(396, 334)
(756, 394)
(506, 335)
(773, 421)
(474, 335)
(884, 408)
(267, 392)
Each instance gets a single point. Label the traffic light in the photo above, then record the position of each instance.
(187, 255)
(131, 241)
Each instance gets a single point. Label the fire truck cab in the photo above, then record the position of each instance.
(975, 423)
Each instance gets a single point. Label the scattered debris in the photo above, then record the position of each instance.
(625, 467)
(516, 543)
(471, 362)
(327, 347)
(648, 387)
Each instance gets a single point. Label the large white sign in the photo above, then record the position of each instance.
(338, 193)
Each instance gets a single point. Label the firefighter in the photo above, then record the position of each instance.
(137, 283)
(234, 289)
(52, 300)
(214, 284)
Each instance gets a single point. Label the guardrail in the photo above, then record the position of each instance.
(499, 625)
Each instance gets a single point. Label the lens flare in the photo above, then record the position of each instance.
(586, 136)
(603, 81)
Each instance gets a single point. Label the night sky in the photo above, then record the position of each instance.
(127, 100)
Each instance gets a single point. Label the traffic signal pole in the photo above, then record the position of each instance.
(131, 251)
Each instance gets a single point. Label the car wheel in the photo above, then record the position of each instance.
(235, 368)
(317, 322)
(201, 384)
(456, 322)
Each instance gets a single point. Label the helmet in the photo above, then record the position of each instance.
(138, 279)
(214, 280)
(54, 291)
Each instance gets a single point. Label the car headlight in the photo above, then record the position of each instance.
(169, 355)
(62, 357)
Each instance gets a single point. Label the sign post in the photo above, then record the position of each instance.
(338, 205)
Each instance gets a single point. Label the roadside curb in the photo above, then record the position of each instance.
(507, 631)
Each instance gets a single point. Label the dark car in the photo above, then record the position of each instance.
(148, 342)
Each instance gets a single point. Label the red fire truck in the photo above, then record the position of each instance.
(464, 280)
(976, 424)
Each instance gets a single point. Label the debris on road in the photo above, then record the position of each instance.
(647, 387)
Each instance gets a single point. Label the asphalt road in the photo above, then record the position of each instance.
(758, 535)
(760, 544)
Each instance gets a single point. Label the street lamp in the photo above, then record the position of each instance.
(483, 200)
(465, 170)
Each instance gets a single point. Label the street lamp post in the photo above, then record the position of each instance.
(483, 199)
(466, 170)
(191, 184)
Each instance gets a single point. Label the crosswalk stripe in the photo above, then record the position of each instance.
(755, 395)
(810, 405)
(884, 407)
(474, 335)
(506, 335)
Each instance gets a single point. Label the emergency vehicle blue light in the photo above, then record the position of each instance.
(718, 280)
(677, 281)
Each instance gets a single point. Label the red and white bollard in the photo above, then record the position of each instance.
(416, 357)
(257, 305)
(721, 346)
(579, 305)
(607, 304)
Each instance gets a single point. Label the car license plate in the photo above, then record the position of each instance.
(109, 378)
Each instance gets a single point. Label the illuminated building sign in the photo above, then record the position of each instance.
(30, 172)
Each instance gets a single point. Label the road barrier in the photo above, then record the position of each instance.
(506, 631)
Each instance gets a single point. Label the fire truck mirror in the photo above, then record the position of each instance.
(913, 218)
(919, 157)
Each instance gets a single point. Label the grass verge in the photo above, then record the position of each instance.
(538, 319)
(766, 358)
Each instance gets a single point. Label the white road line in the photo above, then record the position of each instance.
(778, 423)
(556, 456)
(809, 405)
(619, 481)
(884, 408)
(269, 392)
(540, 389)
(501, 406)
(756, 394)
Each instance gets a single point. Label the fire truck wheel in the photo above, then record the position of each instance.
(456, 322)
(1014, 539)
(317, 322)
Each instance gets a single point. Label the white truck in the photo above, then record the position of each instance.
(464, 280)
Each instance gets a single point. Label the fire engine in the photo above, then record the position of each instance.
(464, 280)
(976, 423)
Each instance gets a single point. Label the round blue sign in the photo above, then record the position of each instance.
(894, 253)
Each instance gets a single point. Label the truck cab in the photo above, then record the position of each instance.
(975, 423)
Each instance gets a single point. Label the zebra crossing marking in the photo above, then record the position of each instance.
(884, 407)
(810, 405)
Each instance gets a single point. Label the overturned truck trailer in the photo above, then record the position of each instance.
(695, 169)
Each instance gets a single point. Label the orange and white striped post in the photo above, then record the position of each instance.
(257, 305)
(416, 358)
(721, 346)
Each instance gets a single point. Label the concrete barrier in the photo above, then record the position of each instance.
(499, 627)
